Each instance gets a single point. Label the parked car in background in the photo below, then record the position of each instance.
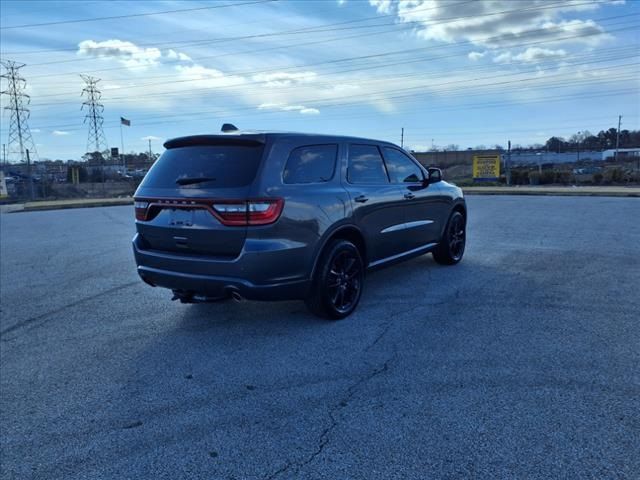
(277, 216)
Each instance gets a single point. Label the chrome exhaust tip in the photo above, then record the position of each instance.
(236, 296)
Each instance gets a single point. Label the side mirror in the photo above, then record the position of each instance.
(435, 175)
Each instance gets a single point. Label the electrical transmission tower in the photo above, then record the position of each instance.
(20, 140)
(96, 141)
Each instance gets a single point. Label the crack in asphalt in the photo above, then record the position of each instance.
(28, 321)
(324, 436)
(351, 391)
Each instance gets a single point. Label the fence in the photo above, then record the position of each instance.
(539, 168)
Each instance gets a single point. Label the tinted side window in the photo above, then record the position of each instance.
(311, 164)
(366, 165)
(401, 168)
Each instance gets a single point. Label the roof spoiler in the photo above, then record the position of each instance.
(249, 140)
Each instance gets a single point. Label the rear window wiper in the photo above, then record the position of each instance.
(192, 180)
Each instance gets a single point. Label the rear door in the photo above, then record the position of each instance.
(378, 205)
(185, 189)
(422, 204)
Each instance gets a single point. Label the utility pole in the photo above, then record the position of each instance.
(618, 138)
(96, 138)
(29, 174)
(19, 139)
(150, 153)
(578, 145)
(402, 137)
(509, 162)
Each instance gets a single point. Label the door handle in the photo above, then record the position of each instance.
(361, 199)
(409, 196)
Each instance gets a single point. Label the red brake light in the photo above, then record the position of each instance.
(265, 211)
(251, 212)
(262, 211)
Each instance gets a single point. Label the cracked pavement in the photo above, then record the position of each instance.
(521, 362)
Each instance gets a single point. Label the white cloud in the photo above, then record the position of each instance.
(129, 54)
(535, 54)
(60, 133)
(35, 130)
(476, 55)
(150, 137)
(173, 55)
(289, 108)
(199, 76)
(504, 57)
(283, 79)
(531, 55)
(188, 76)
(495, 23)
(383, 6)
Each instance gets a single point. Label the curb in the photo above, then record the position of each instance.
(114, 202)
(557, 193)
(38, 207)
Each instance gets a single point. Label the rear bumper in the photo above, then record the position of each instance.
(215, 278)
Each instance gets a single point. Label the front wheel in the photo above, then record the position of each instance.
(451, 248)
(337, 285)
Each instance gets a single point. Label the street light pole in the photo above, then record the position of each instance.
(618, 138)
(508, 165)
(578, 141)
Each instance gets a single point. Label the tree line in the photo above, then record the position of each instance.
(604, 140)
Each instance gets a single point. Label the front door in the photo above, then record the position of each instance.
(421, 203)
(378, 205)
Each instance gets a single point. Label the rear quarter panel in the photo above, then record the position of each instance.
(310, 210)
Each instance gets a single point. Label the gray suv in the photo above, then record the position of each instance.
(281, 216)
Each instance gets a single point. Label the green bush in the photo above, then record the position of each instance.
(547, 177)
(564, 177)
(614, 175)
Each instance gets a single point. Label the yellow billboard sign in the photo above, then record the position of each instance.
(486, 167)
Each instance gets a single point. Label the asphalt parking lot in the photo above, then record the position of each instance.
(521, 362)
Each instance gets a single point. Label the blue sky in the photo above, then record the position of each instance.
(449, 71)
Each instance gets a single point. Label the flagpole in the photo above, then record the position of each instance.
(124, 162)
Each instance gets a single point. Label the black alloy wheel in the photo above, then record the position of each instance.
(451, 249)
(338, 283)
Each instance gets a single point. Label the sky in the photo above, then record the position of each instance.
(450, 72)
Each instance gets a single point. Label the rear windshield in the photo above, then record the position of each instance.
(223, 166)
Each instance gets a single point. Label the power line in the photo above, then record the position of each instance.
(116, 17)
(20, 143)
(447, 86)
(251, 111)
(369, 94)
(322, 29)
(96, 138)
(310, 29)
(368, 66)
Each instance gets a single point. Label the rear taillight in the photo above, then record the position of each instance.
(251, 212)
(262, 211)
(141, 209)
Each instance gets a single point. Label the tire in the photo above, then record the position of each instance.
(451, 248)
(337, 285)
